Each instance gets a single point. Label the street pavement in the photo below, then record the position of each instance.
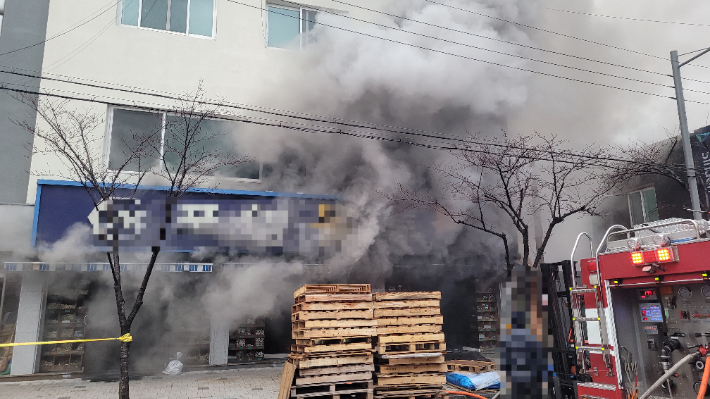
(247, 383)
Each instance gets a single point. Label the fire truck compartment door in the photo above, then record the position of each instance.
(593, 332)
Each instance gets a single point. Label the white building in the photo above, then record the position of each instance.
(98, 57)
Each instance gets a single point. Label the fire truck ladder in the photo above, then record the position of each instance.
(578, 318)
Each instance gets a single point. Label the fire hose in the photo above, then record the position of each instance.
(466, 394)
(668, 374)
(706, 375)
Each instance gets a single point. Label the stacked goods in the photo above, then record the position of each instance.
(333, 327)
(7, 336)
(410, 345)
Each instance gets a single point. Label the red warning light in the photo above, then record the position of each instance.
(637, 258)
(664, 255)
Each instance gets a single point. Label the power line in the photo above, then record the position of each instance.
(322, 129)
(504, 41)
(492, 51)
(472, 58)
(110, 6)
(626, 18)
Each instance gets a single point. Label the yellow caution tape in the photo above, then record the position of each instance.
(122, 338)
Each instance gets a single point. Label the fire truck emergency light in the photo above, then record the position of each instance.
(660, 255)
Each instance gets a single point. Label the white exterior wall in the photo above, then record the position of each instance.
(233, 65)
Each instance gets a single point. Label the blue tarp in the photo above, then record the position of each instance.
(474, 381)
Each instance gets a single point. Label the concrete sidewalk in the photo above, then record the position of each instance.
(248, 383)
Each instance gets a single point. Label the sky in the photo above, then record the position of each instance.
(602, 114)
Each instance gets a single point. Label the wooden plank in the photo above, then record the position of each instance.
(398, 296)
(334, 298)
(353, 394)
(424, 328)
(301, 324)
(334, 333)
(287, 380)
(407, 312)
(332, 348)
(332, 306)
(435, 358)
(332, 288)
(300, 381)
(338, 315)
(412, 368)
(332, 388)
(309, 362)
(424, 303)
(358, 368)
(409, 338)
(408, 321)
(410, 379)
(421, 347)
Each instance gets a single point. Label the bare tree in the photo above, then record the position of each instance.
(187, 159)
(502, 185)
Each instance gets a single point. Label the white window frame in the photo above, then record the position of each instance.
(643, 203)
(164, 114)
(295, 7)
(119, 18)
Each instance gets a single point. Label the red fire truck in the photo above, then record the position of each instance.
(641, 314)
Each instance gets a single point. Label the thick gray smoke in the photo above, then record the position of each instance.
(355, 77)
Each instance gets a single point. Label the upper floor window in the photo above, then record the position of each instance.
(643, 206)
(193, 17)
(290, 27)
(128, 126)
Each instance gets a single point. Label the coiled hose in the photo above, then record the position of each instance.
(668, 374)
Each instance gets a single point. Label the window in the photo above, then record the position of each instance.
(128, 126)
(290, 28)
(193, 17)
(643, 206)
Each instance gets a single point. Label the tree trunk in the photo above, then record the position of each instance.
(123, 392)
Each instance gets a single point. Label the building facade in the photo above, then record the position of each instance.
(128, 63)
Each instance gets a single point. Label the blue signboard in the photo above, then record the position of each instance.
(246, 221)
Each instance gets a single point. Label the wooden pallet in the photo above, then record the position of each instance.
(410, 321)
(334, 298)
(333, 315)
(355, 368)
(332, 289)
(345, 395)
(383, 380)
(408, 338)
(332, 378)
(309, 333)
(302, 324)
(303, 361)
(413, 347)
(411, 368)
(399, 296)
(423, 328)
(414, 394)
(332, 306)
(330, 345)
(422, 303)
(332, 388)
(470, 366)
(408, 312)
(434, 358)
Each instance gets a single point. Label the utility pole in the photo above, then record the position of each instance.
(685, 135)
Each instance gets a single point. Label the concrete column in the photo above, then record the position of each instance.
(219, 342)
(29, 323)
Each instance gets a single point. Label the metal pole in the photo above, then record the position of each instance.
(685, 135)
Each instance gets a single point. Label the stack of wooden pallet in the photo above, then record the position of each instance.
(410, 345)
(333, 327)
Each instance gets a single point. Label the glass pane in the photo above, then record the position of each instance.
(129, 12)
(309, 20)
(636, 208)
(154, 14)
(178, 16)
(650, 205)
(201, 17)
(213, 146)
(127, 130)
(284, 28)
